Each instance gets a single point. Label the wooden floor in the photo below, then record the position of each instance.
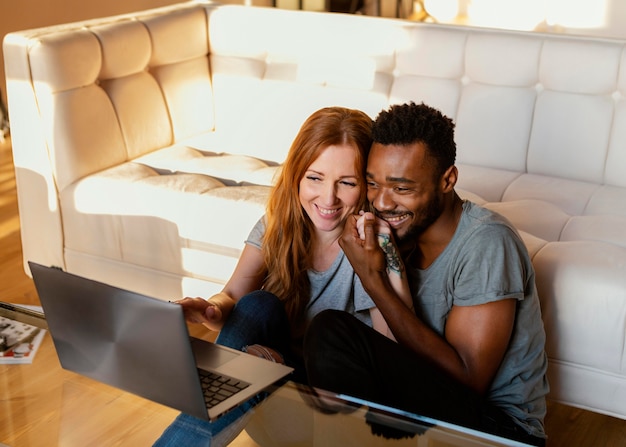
(566, 426)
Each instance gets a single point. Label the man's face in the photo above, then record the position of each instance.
(401, 187)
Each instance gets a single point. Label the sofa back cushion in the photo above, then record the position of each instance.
(272, 68)
(534, 104)
(109, 92)
(524, 102)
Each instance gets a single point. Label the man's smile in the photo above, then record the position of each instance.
(395, 220)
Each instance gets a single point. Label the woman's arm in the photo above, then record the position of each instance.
(247, 277)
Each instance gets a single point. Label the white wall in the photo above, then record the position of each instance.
(605, 18)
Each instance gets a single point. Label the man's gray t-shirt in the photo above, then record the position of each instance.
(487, 261)
(337, 288)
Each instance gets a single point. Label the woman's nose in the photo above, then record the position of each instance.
(329, 194)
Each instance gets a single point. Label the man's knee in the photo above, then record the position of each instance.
(330, 321)
(329, 328)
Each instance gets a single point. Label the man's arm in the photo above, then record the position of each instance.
(476, 337)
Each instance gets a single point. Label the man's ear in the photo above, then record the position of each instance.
(449, 178)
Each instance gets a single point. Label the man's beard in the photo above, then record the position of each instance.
(423, 220)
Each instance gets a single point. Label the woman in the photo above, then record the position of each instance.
(291, 267)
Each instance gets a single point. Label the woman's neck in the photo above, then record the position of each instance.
(324, 250)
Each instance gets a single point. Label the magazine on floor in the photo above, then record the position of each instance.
(19, 341)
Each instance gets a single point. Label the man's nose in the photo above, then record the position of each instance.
(382, 200)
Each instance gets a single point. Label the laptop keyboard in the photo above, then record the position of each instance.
(216, 387)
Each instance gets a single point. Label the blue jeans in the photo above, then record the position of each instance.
(258, 318)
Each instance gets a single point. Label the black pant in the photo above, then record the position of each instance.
(345, 356)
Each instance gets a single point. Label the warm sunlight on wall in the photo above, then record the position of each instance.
(577, 13)
(523, 15)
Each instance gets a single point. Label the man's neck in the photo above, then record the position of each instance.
(424, 249)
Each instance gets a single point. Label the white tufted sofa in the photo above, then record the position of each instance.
(144, 146)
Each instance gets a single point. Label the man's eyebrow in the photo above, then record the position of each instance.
(369, 175)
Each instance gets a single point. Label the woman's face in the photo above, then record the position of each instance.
(331, 188)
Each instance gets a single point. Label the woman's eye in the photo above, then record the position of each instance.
(313, 178)
(347, 183)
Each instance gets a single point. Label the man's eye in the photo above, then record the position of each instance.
(371, 185)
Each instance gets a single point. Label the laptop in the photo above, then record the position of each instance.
(141, 345)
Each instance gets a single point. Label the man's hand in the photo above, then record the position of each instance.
(385, 239)
(365, 255)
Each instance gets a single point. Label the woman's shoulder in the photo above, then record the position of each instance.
(256, 234)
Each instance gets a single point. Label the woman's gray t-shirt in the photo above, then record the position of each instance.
(337, 288)
(486, 261)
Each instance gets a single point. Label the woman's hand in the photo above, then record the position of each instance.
(380, 226)
(199, 310)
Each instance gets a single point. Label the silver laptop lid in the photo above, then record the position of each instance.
(124, 339)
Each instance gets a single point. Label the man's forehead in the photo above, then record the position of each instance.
(416, 148)
(395, 161)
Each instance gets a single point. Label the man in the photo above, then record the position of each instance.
(472, 351)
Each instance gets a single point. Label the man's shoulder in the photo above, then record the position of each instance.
(479, 220)
(479, 215)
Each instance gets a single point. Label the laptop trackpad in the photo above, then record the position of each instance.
(210, 355)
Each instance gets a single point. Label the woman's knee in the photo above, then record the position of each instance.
(258, 303)
(258, 318)
(258, 307)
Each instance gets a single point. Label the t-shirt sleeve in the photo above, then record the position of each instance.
(492, 265)
(255, 238)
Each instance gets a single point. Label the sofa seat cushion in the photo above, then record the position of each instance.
(541, 219)
(230, 169)
(571, 196)
(134, 214)
(607, 228)
(488, 183)
(608, 200)
(533, 243)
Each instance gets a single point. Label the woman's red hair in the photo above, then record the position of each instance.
(287, 241)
